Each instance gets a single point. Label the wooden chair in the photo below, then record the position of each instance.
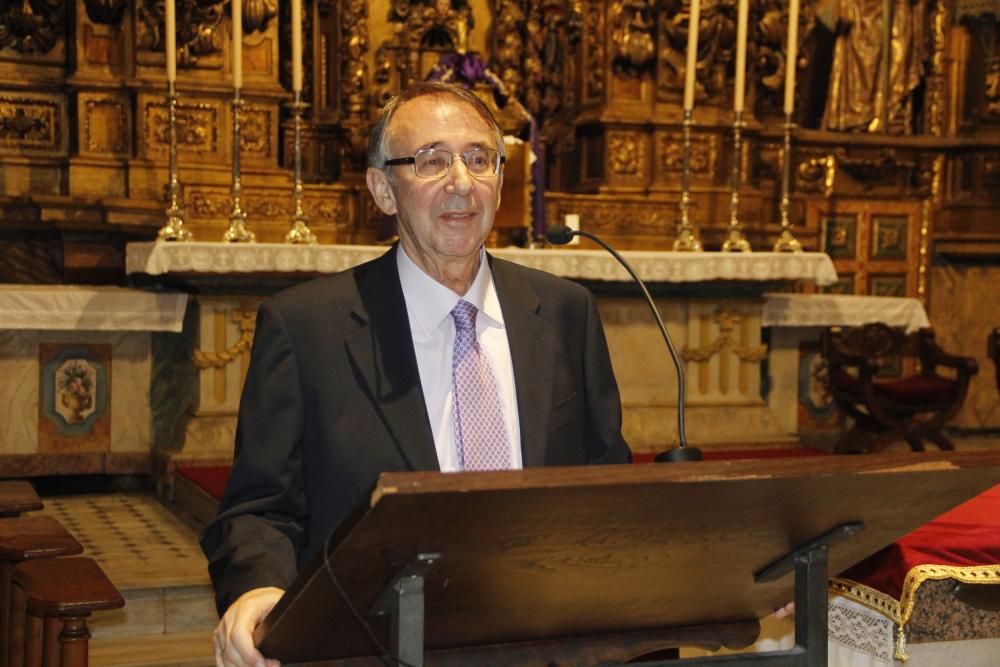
(21, 539)
(911, 407)
(51, 600)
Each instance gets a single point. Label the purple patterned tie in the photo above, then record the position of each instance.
(480, 435)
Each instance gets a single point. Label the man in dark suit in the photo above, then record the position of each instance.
(375, 369)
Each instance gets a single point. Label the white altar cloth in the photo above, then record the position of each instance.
(824, 310)
(651, 265)
(73, 307)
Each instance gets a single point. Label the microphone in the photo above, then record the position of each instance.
(561, 235)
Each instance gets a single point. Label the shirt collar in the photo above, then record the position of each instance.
(431, 302)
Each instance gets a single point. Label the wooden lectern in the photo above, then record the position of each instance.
(598, 565)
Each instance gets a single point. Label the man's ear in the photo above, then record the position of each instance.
(378, 185)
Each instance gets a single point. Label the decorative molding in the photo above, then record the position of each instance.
(197, 127)
(31, 123)
(627, 154)
(818, 174)
(256, 129)
(110, 114)
(593, 49)
(704, 152)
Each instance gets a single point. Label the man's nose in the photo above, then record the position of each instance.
(459, 175)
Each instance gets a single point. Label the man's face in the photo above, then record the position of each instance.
(446, 219)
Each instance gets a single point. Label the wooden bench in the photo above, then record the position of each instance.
(51, 601)
(22, 539)
(18, 497)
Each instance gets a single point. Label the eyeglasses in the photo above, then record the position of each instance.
(436, 163)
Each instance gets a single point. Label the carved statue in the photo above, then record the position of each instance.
(716, 41)
(32, 26)
(855, 98)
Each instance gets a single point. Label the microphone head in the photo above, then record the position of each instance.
(559, 235)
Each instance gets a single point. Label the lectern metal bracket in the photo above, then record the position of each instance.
(810, 564)
(403, 602)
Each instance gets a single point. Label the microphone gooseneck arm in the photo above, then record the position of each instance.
(561, 235)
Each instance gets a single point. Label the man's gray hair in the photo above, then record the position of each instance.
(378, 144)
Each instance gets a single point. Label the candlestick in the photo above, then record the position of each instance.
(686, 239)
(691, 65)
(174, 229)
(237, 18)
(296, 45)
(786, 242)
(300, 232)
(792, 53)
(237, 231)
(170, 39)
(736, 241)
(741, 55)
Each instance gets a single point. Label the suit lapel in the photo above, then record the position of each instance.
(531, 340)
(381, 349)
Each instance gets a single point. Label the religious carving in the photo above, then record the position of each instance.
(32, 26)
(105, 12)
(509, 49)
(593, 49)
(257, 14)
(255, 131)
(704, 152)
(636, 218)
(245, 318)
(728, 319)
(817, 174)
(199, 29)
(716, 41)
(857, 87)
(197, 127)
(29, 123)
(632, 35)
(354, 79)
(885, 168)
(626, 153)
(771, 50)
(985, 29)
(547, 96)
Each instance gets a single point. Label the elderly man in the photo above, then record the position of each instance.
(435, 356)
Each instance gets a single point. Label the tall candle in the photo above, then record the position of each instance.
(297, 45)
(793, 47)
(170, 40)
(237, 43)
(692, 55)
(741, 54)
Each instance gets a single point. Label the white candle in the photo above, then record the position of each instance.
(741, 54)
(691, 66)
(170, 40)
(237, 44)
(297, 45)
(793, 47)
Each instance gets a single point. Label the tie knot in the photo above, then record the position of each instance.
(465, 315)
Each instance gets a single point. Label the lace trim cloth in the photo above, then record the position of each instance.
(900, 611)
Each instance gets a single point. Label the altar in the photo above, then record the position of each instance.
(711, 303)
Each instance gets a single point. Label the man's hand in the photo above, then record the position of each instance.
(233, 637)
(788, 611)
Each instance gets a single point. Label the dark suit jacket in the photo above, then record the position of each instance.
(333, 398)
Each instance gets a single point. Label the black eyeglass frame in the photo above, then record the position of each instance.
(413, 160)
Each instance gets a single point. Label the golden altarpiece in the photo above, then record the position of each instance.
(894, 167)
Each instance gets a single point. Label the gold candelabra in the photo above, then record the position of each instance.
(736, 242)
(174, 229)
(787, 242)
(300, 232)
(686, 240)
(237, 231)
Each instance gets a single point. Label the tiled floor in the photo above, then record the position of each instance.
(134, 539)
(154, 559)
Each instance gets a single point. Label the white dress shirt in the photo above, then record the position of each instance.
(428, 306)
